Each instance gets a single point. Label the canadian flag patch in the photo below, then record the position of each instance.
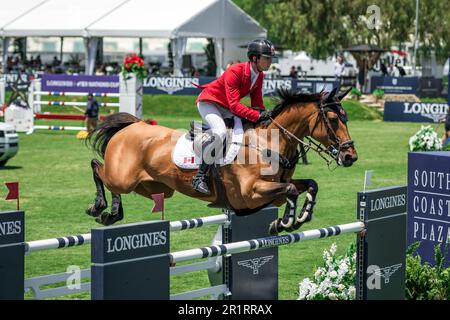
(188, 159)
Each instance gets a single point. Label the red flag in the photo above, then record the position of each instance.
(159, 202)
(13, 188)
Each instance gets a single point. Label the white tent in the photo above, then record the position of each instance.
(221, 20)
(9, 13)
(178, 20)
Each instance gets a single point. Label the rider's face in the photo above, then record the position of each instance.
(263, 63)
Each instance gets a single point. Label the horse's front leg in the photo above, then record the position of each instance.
(311, 188)
(268, 192)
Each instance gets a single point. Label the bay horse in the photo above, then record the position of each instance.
(137, 157)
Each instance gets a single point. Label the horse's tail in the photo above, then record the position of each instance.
(99, 138)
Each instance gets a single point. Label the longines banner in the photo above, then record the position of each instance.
(398, 85)
(429, 202)
(414, 111)
(187, 86)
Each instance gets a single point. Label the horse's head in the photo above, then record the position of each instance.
(328, 125)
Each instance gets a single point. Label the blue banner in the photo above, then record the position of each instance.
(186, 86)
(429, 202)
(397, 85)
(414, 111)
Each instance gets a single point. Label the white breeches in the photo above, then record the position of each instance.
(213, 115)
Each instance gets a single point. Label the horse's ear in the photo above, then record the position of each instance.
(342, 95)
(330, 95)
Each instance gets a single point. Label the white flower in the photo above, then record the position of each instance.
(341, 287)
(332, 296)
(426, 139)
(333, 274)
(333, 249)
(318, 273)
(352, 292)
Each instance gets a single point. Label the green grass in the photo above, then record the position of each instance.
(56, 187)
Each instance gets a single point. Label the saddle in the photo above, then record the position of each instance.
(184, 155)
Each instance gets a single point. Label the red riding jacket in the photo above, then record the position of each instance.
(233, 85)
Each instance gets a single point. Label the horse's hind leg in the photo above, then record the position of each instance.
(116, 214)
(100, 203)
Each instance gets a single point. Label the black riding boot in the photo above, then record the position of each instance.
(199, 183)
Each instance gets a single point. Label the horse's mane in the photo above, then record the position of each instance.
(287, 97)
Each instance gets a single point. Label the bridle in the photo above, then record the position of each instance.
(336, 146)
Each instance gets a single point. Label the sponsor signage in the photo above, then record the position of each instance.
(11, 227)
(429, 202)
(414, 111)
(133, 241)
(12, 254)
(383, 270)
(396, 85)
(80, 83)
(139, 247)
(270, 86)
(254, 274)
(174, 85)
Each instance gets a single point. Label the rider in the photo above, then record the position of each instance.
(221, 99)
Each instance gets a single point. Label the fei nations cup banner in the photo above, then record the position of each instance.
(80, 83)
(414, 111)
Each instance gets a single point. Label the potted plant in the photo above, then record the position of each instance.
(378, 94)
(133, 64)
(355, 94)
(131, 84)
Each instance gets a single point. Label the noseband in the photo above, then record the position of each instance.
(336, 145)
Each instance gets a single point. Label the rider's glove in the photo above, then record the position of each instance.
(265, 115)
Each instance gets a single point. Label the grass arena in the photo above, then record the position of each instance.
(56, 186)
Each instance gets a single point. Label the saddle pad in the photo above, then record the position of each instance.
(184, 157)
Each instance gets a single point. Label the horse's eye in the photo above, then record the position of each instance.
(334, 120)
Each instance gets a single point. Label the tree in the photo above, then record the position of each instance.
(323, 27)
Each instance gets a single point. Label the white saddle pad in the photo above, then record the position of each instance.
(184, 156)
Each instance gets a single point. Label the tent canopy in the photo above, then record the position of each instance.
(178, 20)
(128, 18)
(59, 18)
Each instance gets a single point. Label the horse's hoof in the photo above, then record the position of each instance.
(107, 219)
(275, 227)
(91, 211)
(298, 223)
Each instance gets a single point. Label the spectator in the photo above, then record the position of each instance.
(339, 67)
(194, 72)
(383, 69)
(293, 73)
(55, 62)
(92, 110)
(401, 71)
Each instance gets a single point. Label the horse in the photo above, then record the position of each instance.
(137, 158)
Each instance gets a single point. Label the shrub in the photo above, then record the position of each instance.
(378, 93)
(355, 93)
(423, 281)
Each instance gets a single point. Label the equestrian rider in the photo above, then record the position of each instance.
(220, 99)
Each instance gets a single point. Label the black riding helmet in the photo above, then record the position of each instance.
(261, 47)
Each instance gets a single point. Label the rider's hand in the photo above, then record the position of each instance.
(265, 115)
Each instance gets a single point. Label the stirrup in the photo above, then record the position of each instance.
(199, 184)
